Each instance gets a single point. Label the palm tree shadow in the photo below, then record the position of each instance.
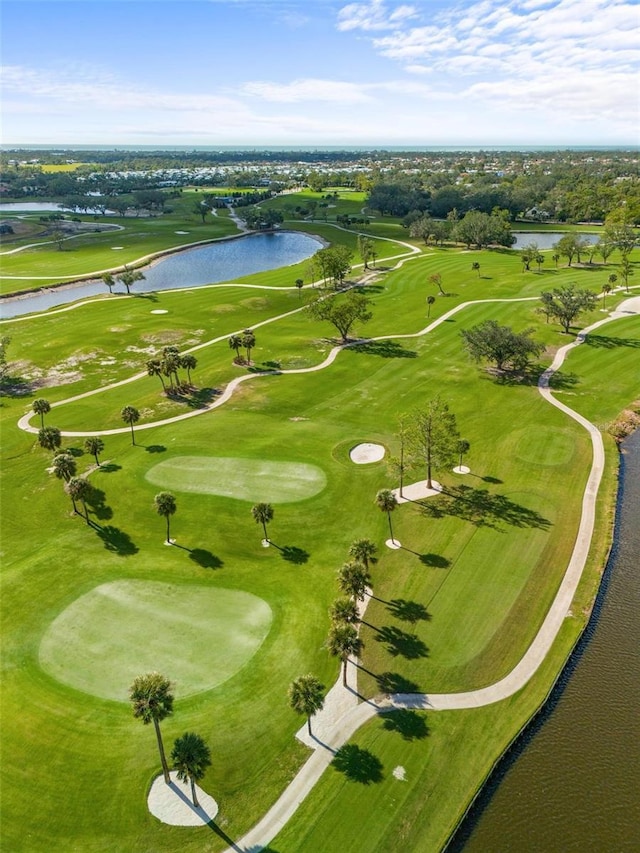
(399, 642)
(408, 611)
(96, 500)
(213, 826)
(357, 764)
(116, 540)
(293, 554)
(155, 448)
(205, 558)
(409, 724)
(109, 467)
(394, 682)
(436, 561)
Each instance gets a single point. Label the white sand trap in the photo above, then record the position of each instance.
(364, 454)
(159, 311)
(461, 469)
(116, 248)
(181, 232)
(417, 491)
(172, 803)
(400, 773)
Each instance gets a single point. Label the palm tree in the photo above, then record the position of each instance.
(129, 277)
(64, 466)
(189, 362)
(154, 368)
(235, 342)
(78, 489)
(248, 342)
(152, 701)
(191, 757)
(462, 448)
(109, 280)
(354, 579)
(299, 283)
(476, 267)
(386, 501)
(362, 550)
(49, 438)
(344, 610)
(165, 505)
(606, 288)
(41, 407)
(430, 301)
(555, 258)
(343, 641)
(131, 416)
(306, 696)
(262, 514)
(94, 445)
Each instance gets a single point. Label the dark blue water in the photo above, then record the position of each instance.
(546, 239)
(187, 268)
(572, 782)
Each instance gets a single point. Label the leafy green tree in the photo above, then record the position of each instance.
(387, 502)
(191, 757)
(306, 696)
(165, 505)
(342, 313)
(299, 284)
(482, 229)
(626, 271)
(41, 407)
(343, 641)
(362, 550)
(528, 255)
(463, 447)
(130, 415)
(5, 340)
(64, 466)
(248, 342)
(79, 489)
(155, 368)
(235, 343)
(49, 438)
(188, 362)
(436, 278)
(567, 246)
(344, 610)
(353, 579)
(129, 277)
(619, 231)
(95, 446)
(152, 702)
(489, 341)
(365, 249)
(566, 304)
(335, 263)
(432, 436)
(612, 279)
(262, 514)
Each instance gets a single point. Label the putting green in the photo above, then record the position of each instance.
(241, 478)
(197, 636)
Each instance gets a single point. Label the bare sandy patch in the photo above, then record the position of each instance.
(366, 453)
(172, 804)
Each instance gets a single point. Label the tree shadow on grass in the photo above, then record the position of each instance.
(436, 561)
(205, 558)
(394, 682)
(409, 724)
(155, 448)
(384, 349)
(116, 540)
(608, 342)
(483, 509)
(357, 764)
(109, 467)
(96, 500)
(408, 611)
(292, 554)
(76, 452)
(400, 642)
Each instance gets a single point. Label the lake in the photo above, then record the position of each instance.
(546, 239)
(201, 265)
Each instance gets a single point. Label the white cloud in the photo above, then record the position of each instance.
(373, 16)
(333, 91)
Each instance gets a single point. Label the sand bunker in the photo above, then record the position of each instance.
(364, 454)
(159, 311)
(172, 803)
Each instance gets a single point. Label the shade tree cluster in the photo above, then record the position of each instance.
(247, 341)
(167, 364)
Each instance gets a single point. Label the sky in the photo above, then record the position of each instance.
(319, 72)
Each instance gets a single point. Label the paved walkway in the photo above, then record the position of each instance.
(341, 717)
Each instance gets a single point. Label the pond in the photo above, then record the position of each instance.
(201, 265)
(40, 207)
(546, 239)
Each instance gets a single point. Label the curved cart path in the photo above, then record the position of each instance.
(342, 715)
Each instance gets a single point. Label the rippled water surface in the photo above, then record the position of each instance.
(574, 783)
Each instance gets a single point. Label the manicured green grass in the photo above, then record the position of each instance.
(101, 641)
(485, 575)
(261, 480)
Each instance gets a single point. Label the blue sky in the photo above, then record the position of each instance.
(299, 72)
